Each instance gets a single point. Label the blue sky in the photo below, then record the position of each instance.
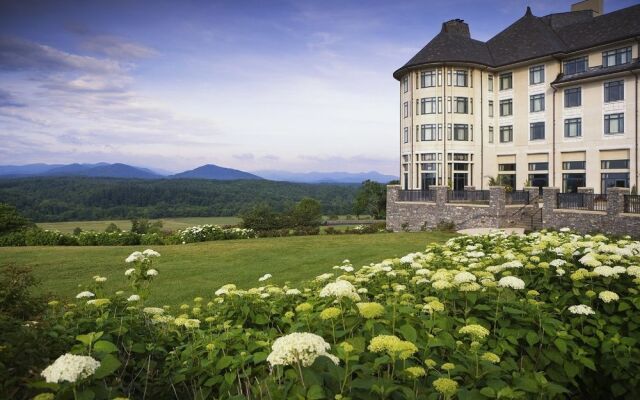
(293, 85)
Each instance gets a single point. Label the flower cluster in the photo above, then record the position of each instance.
(70, 368)
(302, 348)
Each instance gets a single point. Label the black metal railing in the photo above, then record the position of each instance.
(632, 203)
(518, 197)
(417, 195)
(582, 201)
(468, 196)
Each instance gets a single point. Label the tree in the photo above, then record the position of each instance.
(77, 231)
(142, 226)
(371, 199)
(261, 217)
(11, 220)
(306, 213)
(111, 228)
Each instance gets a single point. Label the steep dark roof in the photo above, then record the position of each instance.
(528, 38)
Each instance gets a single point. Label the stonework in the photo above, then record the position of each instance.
(415, 216)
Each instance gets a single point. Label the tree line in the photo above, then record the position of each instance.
(78, 198)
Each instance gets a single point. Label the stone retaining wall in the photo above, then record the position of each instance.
(415, 216)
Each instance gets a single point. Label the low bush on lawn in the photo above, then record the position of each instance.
(546, 315)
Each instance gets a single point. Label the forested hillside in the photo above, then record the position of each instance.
(77, 198)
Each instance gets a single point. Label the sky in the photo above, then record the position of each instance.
(293, 85)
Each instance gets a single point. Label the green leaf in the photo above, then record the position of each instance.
(561, 345)
(259, 357)
(409, 333)
(571, 369)
(488, 392)
(514, 311)
(224, 362)
(532, 338)
(315, 392)
(86, 394)
(89, 338)
(108, 365)
(587, 362)
(526, 384)
(102, 346)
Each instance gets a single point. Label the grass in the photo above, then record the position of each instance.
(187, 271)
(125, 224)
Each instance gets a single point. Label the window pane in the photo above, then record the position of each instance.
(536, 131)
(505, 81)
(614, 91)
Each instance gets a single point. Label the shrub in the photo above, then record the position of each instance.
(547, 315)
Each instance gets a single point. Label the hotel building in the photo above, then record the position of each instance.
(549, 101)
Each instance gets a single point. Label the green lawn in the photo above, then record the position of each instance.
(167, 223)
(190, 270)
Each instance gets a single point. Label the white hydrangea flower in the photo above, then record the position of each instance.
(133, 297)
(590, 260)
(151, 253)
(293, 292)
(225, 289)
(152, 272)
(70, 368)
(560, 271)
(129, 271)
(565, 229)
(464, 277)
(324, 277)
(99, 279)
(608, 296)
(634, 271)
(581, 309)
(557, 262)
(340, 289)
(299, 347)
(135, 256)
(511, 282)
(264, 277)
(85, 294)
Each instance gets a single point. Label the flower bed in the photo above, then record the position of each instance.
(546, 315)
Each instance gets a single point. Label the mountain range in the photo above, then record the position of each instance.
(208, 171)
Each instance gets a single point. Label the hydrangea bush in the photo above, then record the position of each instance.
(544, 315)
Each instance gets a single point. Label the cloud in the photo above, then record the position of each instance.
(8, 100)
(244, 156)
(18, 54)
(118, 48)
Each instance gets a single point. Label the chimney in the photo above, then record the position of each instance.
(595, 6)
(456, 27)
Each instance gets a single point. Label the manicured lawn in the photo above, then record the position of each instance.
(167, 223)
(199, 269)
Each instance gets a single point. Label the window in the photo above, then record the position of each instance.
(506, 167)
(461, 105)
(613, 91)
(573, 97)
(613, 123)
(569, 165)
(536, 131)
(571, 182)
(428, 166)
(539, 180)
(575, 66)
(460, 157)
(506, 81)
(406, 109)
(609, 180)
(490, 83)
(460, 132)
(573, 127)
(405, 83)
(405, 135)
(506, 134)
(538, 166)
(460, 78)
(536, 74)
(616, 57)
(490, 108)
(614, 164)
(428, 132)
(428, 105)
(536, 103)
(506, 107)
(428, 157)
(428, 79)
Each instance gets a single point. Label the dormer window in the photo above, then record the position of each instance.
(615, 57)
(575, 66)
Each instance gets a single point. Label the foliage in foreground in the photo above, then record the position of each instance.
(547, 315)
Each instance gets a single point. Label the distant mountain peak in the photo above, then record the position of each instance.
(214, 172)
